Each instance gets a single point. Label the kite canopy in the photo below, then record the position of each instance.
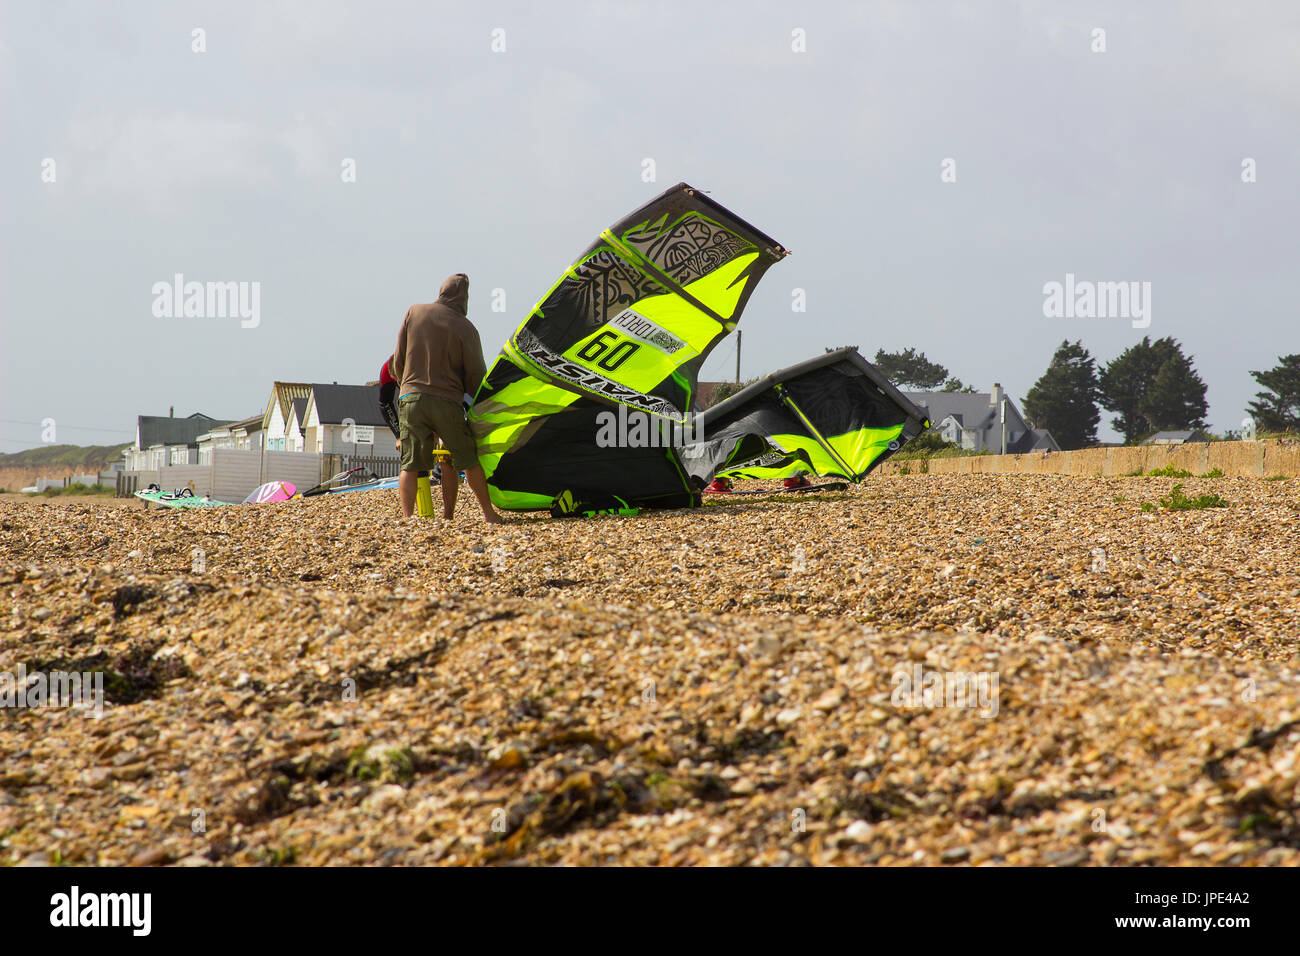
(270, 492)
(625, 329)
(835, 415)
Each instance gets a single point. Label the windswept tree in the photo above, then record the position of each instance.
(1064, 400)
(1132, 387)
(1176, 399)
(1278, 407)
(911, 369)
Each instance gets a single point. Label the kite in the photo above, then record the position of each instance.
(614, 350)
(588, 408)
(835, 416)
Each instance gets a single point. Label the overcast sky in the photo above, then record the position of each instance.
(226, 165)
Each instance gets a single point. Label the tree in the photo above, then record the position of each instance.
(911, 369)
(1177, 401)
(1064, 400)
(1278, 407)
(724, 390)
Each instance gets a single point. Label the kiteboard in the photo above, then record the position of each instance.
(181, 498)
(377, 485)
(270, 492)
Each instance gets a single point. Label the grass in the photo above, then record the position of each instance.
(1277, 478)
(1213, 473)
(1178, 501)
(1169, 471)
(77, 456)
(279, 857)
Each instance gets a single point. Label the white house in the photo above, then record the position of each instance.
(275, 421)
(248, 434)
(346, 420)
(217, 438)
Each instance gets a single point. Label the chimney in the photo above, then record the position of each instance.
(171, 411)
(995, 397)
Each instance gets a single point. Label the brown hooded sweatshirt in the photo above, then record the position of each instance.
(438, 349)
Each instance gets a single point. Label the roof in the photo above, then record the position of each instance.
(1175, 437)
(251, 424)
(971, 409)
(360, 403)
(1036, 439)
(283, 393)
(298, 412)
(152, 430)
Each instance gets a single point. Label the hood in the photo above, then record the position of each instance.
(455, 292)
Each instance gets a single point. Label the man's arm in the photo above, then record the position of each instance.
(398, 361)
(475, 367)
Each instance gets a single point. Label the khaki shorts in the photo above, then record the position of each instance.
(422, 420)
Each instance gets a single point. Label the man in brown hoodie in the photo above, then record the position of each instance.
(439, 360)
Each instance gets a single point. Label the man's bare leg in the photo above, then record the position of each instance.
(406, 487)
(478, 484)
(450, 485)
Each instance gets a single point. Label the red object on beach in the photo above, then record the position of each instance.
(720, 486)
(798, 481)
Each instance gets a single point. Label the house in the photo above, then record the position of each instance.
(974, 422)
(248, 433)
(167, 440)
(217, 438)
(232, 435)
(278, 408)
(346, 420)
(1175, 437)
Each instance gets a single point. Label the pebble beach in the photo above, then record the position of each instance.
(922, 670)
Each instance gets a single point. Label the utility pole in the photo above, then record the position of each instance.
(738, 334)
(1004, 426)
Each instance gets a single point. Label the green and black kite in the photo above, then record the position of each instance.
(590, 401)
